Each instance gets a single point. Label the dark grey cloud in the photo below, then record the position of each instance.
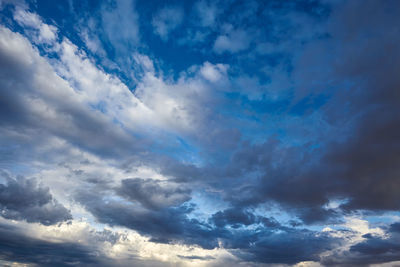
(360, 161)
(233, 217)
(17, 247)
(372, 250)
(267, 243)
(194, 257)
(25, 199)
(377, 250)
(357, 162)
(166, 225)
(395, 228)
(356, 159)
(288, 247)
(154, 194)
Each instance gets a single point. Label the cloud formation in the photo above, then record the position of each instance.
(24, 199)
(153, 194)
(223, 133)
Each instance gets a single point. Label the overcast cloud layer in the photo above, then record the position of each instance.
(200, 133)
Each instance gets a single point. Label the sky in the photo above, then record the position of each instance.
(199, 133)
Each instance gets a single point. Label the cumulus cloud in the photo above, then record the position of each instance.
(43, 101)
(24, 199)
(213, 73)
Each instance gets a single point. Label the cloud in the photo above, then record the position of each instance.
(266, 243)
(233, 217)
(168, 225)
(213, 73)
(166, 20)
(233, 41)
(360, 164)
(24, 199)
(92, 41)
(193, 257)
(117, 14)
(372, 249)
(207, 12)
(47, 33)
(288, 247)
(41, 101)
(363, 133)
(301, 132)
(154, 194)
(16, 247)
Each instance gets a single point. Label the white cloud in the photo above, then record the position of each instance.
(121, 25)
(124, 247)
(74, 112)
(47, 33)
(158, 104)
(58, 97)
(207, 13)
(213, 73)
(91, 40)
(166, 20)
(233, 41)
(45, 102)
(355, 228)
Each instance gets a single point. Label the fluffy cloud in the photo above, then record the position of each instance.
(24, 199)
(41, 101)
(372, 248)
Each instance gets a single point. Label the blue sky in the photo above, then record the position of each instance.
(199, 133)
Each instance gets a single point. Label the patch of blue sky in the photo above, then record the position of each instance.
(176, 147)
(17, 168)
(206, 204)
(102, 107)
(6, 18)
(260, 106)
(384, 218)
(309, 104)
